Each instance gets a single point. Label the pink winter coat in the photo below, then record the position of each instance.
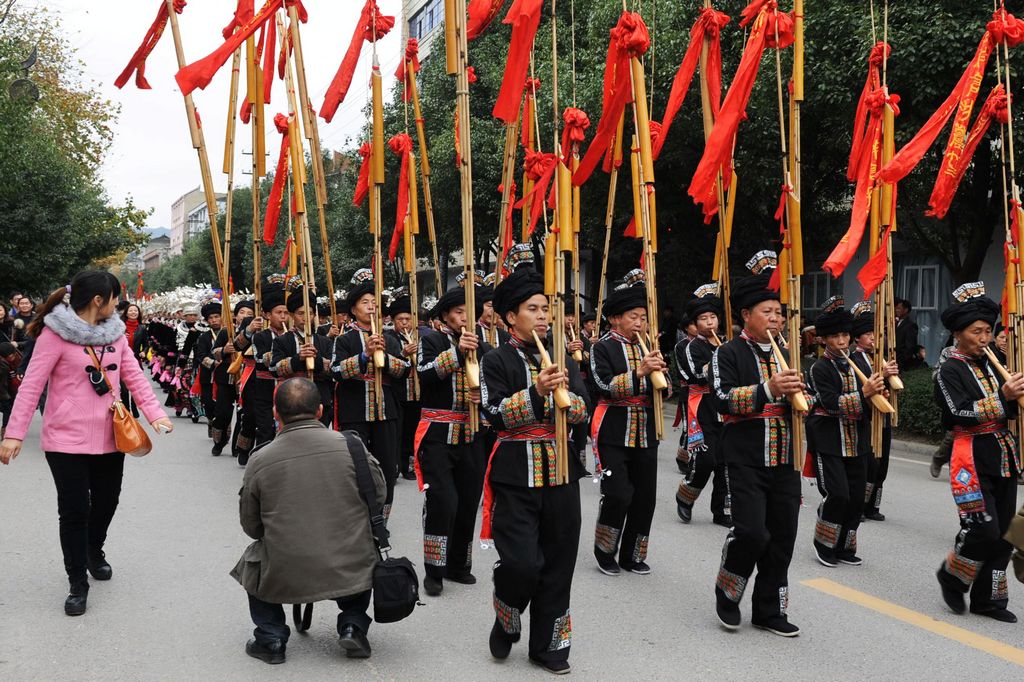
(75, 419)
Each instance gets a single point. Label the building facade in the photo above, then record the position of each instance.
(423, 20)
(189, 217)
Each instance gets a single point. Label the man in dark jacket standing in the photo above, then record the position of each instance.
(300, 501)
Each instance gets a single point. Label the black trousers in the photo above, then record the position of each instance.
(409, 417)
(223, 408)
(206, 398)
(452, 496)
(381, 440)
(980, 554)
(258, 424)
(765, 510)
(703, 465)
(537, 535)
(88, 489)
(878, 470)
(842, 482)
(326, 389)
(578, 440)
(271, 625)
(627, 502)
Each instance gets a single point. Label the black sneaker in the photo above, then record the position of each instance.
(685, 513)
(728, 614)
(217, 449)
(954, 598)
(640, 568)
(777, 625)
(824, 559)
(500, 642)
(606, 564)
(553, 667)
(432, 586)
(96, 561)
(354, 642)
(1002, 615)
(272, 653)
(850, 559)
(77, 597)
(461, 577)
(875, 516)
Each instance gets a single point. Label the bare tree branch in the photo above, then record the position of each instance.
(7, 11)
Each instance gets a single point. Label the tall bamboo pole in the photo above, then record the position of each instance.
(609, 217)
(428, 202)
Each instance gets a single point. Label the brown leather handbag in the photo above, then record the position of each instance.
(129, 436)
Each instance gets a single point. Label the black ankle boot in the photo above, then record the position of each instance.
(74, 605)
(98, 566)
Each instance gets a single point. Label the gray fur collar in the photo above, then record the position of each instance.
(66, 324)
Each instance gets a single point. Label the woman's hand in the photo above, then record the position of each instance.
(162, 425)
(9, 449)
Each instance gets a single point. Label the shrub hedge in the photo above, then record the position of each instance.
(919, 415)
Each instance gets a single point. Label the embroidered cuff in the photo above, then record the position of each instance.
(622, 385)
(208, 363)
(348, 368)
(518, 409)
(397, 366)
(742, 399)
(577, 412)
(444, 364)
(284, 368)
(850, 405)
(989, 408)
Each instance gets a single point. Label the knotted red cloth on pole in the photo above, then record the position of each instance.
(539, 167)
(372, 26)
(524, 16)
(574, 132)
(1011, 259)
(480, 15)
(878, 54)
(767, 23)
(198, 74)
(280, 174)
(629, 38)
(869, 157)
(775, 282)
(708, 26)
(400, 144)
(412, 54)
(244, 12)
(137, 64)
(265, 48)
(363, 183)
(949, 178)
(631, 228)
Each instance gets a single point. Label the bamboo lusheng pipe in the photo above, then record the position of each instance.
(428, 202)
(1003, 372)
(562, 398)
(609, 217)
(377, 180)
(877, 400)
(563, 215)
(895, 383)
(715, 341)
(379, 361)
(577, 355)
(451, 40)
(797, 400)
(311, 130)
(531, 144)
(199, 144)
(658, 380)
(508, 169)
(229, 170)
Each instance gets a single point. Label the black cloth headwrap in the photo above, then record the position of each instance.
(484, 294)
(833, 322)
(451, 298)
(272, 299)
(696, 307)
(621, 300)
(323, 309)
(212, 308)
(402, 304)
(357, 292)
(296, 300)
(862, 324)
(751, 290)
(959, 316)
(522, 284)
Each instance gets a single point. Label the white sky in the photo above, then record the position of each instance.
(151, 158)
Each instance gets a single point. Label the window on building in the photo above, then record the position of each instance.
(818, 287)
(426, 19)
(920, 285)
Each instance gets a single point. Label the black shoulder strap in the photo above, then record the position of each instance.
(367, 490)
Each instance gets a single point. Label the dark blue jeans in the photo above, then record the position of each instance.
(271, 625)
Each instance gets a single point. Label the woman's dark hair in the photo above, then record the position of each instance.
(85, 286)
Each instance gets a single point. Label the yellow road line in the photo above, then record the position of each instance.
(943, 629)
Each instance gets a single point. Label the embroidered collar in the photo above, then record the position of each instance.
(621, 339)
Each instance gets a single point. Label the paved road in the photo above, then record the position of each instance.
(172, 612)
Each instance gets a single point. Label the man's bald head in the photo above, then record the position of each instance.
(295, 399)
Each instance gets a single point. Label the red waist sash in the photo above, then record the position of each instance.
(770, 411)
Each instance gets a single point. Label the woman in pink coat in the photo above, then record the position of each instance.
(78, 432)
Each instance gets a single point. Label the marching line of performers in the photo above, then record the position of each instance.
(737, 432)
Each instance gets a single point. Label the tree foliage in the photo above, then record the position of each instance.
(57, 218)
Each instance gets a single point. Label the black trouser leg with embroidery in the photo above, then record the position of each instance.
(980, 554)
(765, 510)
(451, 499)
(841, 481)
(878, 470)
(223, 408)
(628, 496)
(537, 534)
(704, 465)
